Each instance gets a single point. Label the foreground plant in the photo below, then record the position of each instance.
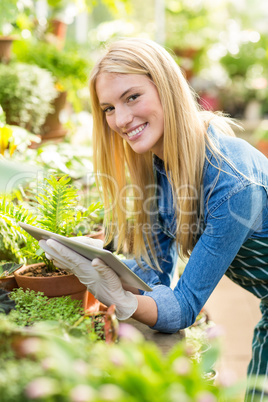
(33, 307)
(46, 365)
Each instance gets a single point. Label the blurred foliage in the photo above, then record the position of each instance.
(48, 364)
(191, 28)
(26, 93)
(69, 68)
(14, 138)
(251, 59)
(114, 6)
(247, 70)
(222, 48)
(261, 133)
(10, 11)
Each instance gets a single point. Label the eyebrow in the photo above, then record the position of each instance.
(123, 94)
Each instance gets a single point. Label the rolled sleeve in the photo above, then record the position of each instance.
(168, 308)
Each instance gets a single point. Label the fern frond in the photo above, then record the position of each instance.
(12, 237)
(56, 201)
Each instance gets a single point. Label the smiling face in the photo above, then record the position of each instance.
(133, 109)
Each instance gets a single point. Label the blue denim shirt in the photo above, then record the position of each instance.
(234, 208)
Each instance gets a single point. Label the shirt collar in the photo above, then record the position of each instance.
(159, 164)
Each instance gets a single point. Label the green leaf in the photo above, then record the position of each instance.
(8, 268)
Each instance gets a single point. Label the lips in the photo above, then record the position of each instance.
(137, 130)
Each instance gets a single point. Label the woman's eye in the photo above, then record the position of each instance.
(108, 109)
(132, 97)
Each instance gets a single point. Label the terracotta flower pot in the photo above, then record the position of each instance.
(52, 127)
(106, 315)
(55, 286)
(262, 146)
(5, 48)
(9, 283)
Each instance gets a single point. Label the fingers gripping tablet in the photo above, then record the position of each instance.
(90, 252)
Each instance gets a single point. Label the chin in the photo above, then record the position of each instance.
(140, 151)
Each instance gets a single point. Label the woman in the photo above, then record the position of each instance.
(195, 189)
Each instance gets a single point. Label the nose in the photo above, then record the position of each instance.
(123, 118)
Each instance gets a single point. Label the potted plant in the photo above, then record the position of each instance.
(58, 20)
(26, 93)
(7, 278)
(13, 18)
(188, 35)
(8, 15)
(33, 307)
(246, 91)
(69, 69)
(55, 202)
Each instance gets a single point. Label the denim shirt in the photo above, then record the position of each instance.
(234, 208)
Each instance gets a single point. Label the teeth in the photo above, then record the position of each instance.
(138, 130)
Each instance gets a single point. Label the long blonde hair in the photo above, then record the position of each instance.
(185, 136)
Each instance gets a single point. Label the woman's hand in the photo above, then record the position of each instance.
(99, 279)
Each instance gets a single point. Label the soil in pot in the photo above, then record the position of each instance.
(7, 278)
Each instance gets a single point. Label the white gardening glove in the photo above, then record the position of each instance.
(61, 262)
(99, 279)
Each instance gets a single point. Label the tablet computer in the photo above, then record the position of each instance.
(90, 252)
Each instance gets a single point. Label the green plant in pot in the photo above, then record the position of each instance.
(56, 205)
(69, 69)
(8, 15)
(7, 269)
(26, 93)
(7, 279)
(13, 18)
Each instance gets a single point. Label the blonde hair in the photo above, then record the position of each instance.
(185, 136)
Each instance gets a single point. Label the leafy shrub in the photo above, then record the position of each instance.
(26, 93)
(32, 307)
(69, 69)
